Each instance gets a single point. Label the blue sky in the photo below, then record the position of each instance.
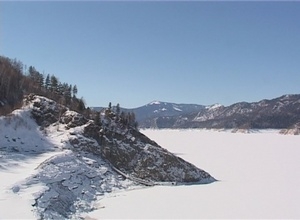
(136, 52)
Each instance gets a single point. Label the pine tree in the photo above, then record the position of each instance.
(65, 90)
(47, 82)
(118, 112)
(40, 80)
(36, 78)
(31, 72)
(118, 109)
(81, 105)
(53, 84)
(75, 90)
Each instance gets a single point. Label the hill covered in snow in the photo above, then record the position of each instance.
(278, 113)
(79, 160)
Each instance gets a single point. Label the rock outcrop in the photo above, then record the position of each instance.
(45, 111)
(133, 153)
(97, 159)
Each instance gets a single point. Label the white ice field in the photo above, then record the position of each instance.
(258, 173)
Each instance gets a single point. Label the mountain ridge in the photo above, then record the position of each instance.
(278, 113)
(158, 109)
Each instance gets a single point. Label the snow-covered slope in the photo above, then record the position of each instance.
(65, 180)
(78, 161)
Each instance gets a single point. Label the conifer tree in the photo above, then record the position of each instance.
(118, 109)
(81, 105)
(37, 79)
(75, 90)
(47, 82)
(40, 81)
(53, 83)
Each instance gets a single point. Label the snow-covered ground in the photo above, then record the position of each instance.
(41, 177)
(258, 172)
(16, 200)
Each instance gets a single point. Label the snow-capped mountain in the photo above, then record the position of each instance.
(146, 113)
(278, 113)
(81, 161)
(159, 109)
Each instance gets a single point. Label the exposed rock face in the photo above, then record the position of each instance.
(72, 119)
(44, 111)
(137, 155)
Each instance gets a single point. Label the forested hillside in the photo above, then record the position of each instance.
(16, 80)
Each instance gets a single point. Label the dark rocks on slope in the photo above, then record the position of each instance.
(45, 111)
(133, 153)
(73, 119)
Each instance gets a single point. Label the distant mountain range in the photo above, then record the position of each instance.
(157, 109)
(279, 113)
